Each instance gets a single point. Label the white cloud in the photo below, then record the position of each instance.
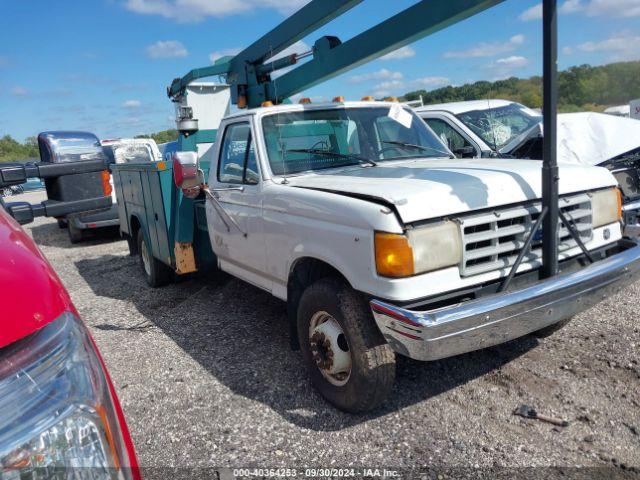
(19, 91)
(213, 56)
(167, 49)
(571, 6)
(400, 54)
(533, 13)
(431, 82)
(399, 87)
(590, 8)
(621, 46)
(488, 49)
(132, 104)
(381, 74)
(597, 8)
(197, 10)
(507, 67)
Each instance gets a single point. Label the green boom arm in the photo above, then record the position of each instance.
(250, 79)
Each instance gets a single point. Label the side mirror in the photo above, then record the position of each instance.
(186, 173)
(465, 152)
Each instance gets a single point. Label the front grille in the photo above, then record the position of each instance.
(492, 240)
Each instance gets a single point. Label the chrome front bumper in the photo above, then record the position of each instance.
(476, 324)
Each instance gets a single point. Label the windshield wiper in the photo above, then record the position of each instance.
(418, 147)
(317, 151)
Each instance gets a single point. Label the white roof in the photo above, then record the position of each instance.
(462, 107)
(297, 107)
(619, 110)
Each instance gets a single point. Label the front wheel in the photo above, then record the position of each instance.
(348, 360)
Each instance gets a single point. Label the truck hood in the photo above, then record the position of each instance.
(422, 189)
(587, 138)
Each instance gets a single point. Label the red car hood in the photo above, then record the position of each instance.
(31, 294)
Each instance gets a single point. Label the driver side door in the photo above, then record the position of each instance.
(235, 224)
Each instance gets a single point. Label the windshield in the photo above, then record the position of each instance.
(498, 126)
(320, 139)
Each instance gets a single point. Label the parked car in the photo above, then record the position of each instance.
(126, 150)
(500, 128)
(12, 190)
(33, 184)
(66, 147)
(58, 408)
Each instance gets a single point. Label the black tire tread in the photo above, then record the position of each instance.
(377, 358)
(160, 274)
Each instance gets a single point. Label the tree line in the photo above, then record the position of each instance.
(580, 88)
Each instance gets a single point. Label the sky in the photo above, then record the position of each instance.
(104, 65)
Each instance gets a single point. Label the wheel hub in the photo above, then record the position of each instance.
(329, 348)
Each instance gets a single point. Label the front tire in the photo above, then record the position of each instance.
(349, 362)
(155, 272)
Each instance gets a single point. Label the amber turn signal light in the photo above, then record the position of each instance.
(105, 176)
(394, 255)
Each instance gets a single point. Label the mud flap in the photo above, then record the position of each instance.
(185, 259)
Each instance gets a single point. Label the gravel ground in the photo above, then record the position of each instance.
(206, 378)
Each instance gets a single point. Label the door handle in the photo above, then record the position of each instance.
(227, 189)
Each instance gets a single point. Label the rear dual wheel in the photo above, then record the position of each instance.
(349, 362)
(156, 273)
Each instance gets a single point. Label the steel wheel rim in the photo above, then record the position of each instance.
(332, 359)
(144, 253)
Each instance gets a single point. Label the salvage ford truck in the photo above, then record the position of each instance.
(379, 240)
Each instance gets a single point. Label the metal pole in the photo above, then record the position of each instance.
(550, 176)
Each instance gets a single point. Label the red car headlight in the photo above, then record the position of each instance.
(56, 410)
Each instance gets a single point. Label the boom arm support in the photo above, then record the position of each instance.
(420, 20)
(251, 82)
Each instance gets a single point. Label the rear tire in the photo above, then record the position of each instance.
(75, 234)
(62, 223)
(155, 272)
(344, 316)
(551, 329)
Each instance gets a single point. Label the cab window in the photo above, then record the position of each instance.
(459, 145)
(237, 163)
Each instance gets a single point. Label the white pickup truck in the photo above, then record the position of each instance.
(382, 242)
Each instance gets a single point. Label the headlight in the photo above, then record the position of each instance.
(606, 207)
(56, 413)
(421, 250)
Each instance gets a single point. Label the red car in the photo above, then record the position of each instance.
(58, 409)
